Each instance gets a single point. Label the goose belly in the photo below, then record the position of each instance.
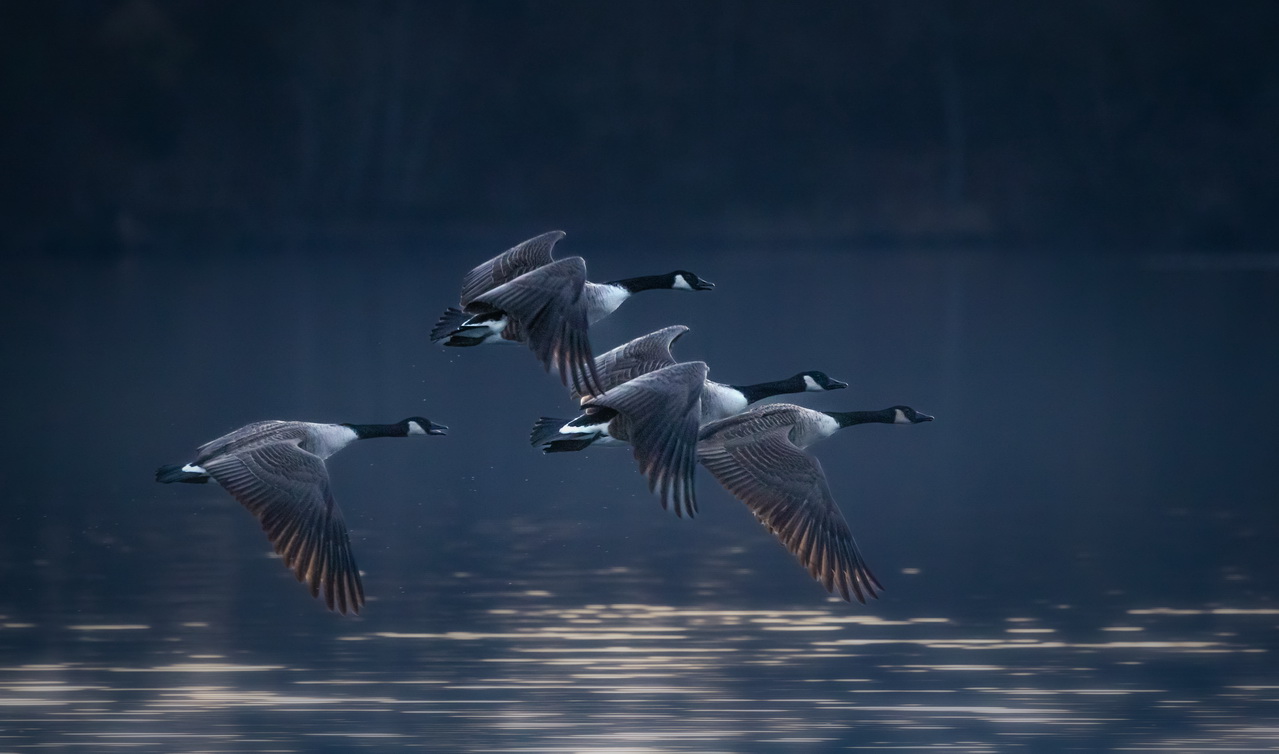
(721, 402)
(814, 426)
(602, 300)
(327, 439)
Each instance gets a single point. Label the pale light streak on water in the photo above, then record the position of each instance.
(546, 675)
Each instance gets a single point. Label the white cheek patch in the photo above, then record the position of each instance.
(681, 284)
(811, 385)
(416, 429)
(899, 417)
(191, 468)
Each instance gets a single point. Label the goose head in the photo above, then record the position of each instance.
(908, 415)
(815, 382)
(683, 280)
(417, 425)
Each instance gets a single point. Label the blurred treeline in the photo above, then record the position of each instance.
(1071, 125)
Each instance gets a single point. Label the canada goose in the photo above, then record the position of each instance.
(276, 469)
(657, 414)
(759, 457)
(523, 295)
(653, 351)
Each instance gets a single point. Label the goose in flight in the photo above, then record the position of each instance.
(276, 469)
(523, 295)
(651, 352)
(760, 457)
(657, 414)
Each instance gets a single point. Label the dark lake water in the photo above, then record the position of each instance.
(1080, 553)
(516, 669)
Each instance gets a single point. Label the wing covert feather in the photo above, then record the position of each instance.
(547, 306)
(510, 264)
(287, 489)
(644, 354)
(661, 412)
(785, 488)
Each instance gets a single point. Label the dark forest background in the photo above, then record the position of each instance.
(1066, 125)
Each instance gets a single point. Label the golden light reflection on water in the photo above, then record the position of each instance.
(637, 677)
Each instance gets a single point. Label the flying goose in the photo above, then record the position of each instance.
(523, 295)
(653, 351)
(760, 458)
(658, 414)
(276, 469)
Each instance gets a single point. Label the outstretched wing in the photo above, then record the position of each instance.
(249, 433)
(645, 354)
(661, 411)
(287, 488)
(546, 305)
(786, 489)
(510, 264)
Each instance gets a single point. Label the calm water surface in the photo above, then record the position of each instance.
(1079, 553)
(517, 669)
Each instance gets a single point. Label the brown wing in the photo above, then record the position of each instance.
(510, 264)
(786, 490)
(644, 354)
(660, 412)
(287, 489)
(546, 305)
(256, 432)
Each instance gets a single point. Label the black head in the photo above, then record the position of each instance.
(908, 415)
(683, 280)
(818, 381)
(417, 425)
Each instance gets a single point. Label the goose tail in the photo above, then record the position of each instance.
(449, 323)
(569, 444)
(175, 473)
(545, 430)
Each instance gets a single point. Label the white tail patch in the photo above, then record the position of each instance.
(489, 331)
(589, 429)
(191, 468)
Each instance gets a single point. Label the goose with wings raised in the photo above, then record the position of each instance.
(524, 295)
(657, 414)
(276, 469)
(760, 457)
(651, 352)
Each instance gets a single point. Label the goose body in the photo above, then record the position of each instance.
(720, 401)
(761, 458)
(657, 414)
(524, 295)
(276, 470)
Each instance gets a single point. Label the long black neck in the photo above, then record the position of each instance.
(762, 390)
(365, 431)
(645, 283)
(849, 418)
